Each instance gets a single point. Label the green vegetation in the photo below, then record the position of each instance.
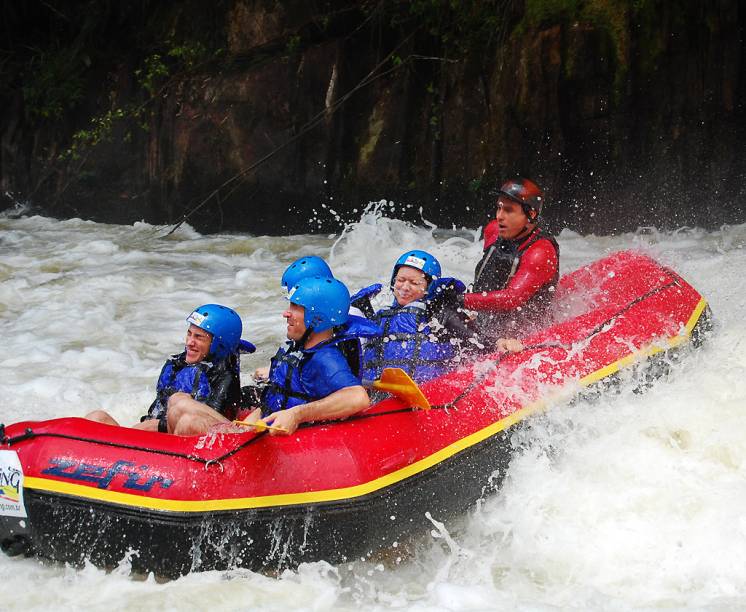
(615, 19)
(293, 45)
(158, 72)
(610, 17)
(458, 27)
(53, 83)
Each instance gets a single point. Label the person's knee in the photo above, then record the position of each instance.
(177, 407)
(187, 424)
(177, 402)
(100, 416)
(183, 415)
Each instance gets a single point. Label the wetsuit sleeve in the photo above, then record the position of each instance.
(538, 267)
(328, 372)
(224, 389)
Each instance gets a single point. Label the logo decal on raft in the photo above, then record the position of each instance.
(11, 485)
(136, 477)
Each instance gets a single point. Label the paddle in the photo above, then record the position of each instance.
(397, 382)
(259, 426)
(393, 380)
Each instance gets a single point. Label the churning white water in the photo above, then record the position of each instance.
(627, 501)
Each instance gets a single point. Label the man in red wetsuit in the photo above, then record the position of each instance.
(515, 279)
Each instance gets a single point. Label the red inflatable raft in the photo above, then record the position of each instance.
(73, 489)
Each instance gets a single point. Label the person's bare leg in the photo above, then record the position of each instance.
(188, 417)
(147, 425)
(101, 416)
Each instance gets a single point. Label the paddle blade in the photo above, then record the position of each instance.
(397, 382)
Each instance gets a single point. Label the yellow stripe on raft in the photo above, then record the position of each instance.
(331, 495)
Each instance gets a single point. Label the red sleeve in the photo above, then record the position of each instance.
(538, 266)
(491, 233)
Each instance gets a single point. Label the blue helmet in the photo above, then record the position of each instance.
(325, 299)
(302, 268)
(421, 260)
(223, 323)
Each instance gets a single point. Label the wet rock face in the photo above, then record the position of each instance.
(624, 118)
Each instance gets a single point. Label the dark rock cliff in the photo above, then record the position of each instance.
(258, 113)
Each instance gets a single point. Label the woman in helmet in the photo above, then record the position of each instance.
(206, 372)
(410, 338)
(310, 378)
(516, 276)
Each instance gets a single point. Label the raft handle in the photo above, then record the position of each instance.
(214, 462)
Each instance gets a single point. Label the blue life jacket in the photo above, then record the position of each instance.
(407, 342)
(348, 336)
(299, 375)
(178, 375)
(215, 384)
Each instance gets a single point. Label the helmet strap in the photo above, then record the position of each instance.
(527, 210)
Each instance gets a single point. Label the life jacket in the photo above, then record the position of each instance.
(178, 375)
(215, 384)
(407, 342)
(499, 263)
(285, 387)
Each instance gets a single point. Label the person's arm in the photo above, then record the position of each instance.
(261, 373)
(338, 405)
(538, 266)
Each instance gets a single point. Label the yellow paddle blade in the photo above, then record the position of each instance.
(398, 382)
(259, 426)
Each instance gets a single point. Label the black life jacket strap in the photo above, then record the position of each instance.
(198, 371)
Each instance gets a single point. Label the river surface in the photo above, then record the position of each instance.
(631, 501)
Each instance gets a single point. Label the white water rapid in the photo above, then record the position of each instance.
(631, 501)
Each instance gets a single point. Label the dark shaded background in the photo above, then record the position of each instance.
(627, 113)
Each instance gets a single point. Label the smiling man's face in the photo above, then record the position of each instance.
(197, 344)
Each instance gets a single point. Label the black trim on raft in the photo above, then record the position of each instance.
(29, 433)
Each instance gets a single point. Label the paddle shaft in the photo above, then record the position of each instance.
(259, 426)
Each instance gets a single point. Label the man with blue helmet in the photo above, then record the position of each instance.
(205, 373)
(419, 334)
(304, 267)
(310, 379)
(354, 329)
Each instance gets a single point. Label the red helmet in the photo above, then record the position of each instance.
(526, 193)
